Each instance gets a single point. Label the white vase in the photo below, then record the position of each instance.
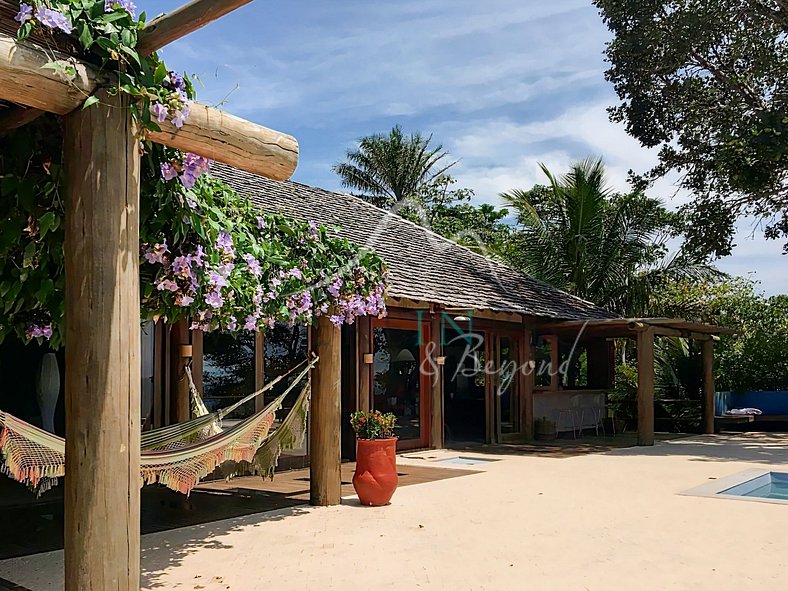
(48, 390)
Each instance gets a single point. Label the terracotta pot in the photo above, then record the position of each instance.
(376, 477)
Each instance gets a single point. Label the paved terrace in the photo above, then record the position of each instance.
(603, 521)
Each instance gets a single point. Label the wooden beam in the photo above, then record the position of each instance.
(170, 27)
(646, 387)
(17, 117)
(435, 349)
(25, 80)
(102, 491)
(238, 143)
(325, 421)
(208, 132)
(707, 352)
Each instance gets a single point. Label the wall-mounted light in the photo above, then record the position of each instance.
(461, 319)
(369, 358)
(440, 360)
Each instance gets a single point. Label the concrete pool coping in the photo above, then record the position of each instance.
(714, 488)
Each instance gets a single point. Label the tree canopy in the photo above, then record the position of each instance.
(579, 235)
(706, 81)
(756, 358)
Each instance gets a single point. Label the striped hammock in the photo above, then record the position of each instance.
(171, 457)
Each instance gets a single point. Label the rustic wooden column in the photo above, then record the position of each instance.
(325, 421)
(102, 504)
(646, 386)
(435, 345)
(363, 374)
(527, 376)
(708, 386)
(259, 369)
(182, 354)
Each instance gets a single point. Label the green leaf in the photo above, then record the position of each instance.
(30, 253)
(92, 100)
(47, 222)
(160, 74)
(85, 37)
(131, 53)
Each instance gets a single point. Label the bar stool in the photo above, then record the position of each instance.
(575, 418)
(597, 414)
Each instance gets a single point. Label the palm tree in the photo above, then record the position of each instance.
(386, 169)
(577, 234)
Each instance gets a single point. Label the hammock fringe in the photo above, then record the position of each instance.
(36, 458)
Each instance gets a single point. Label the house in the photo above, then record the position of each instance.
(451, 312)
(471, 351)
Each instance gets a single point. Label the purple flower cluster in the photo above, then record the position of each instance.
(253, 265)
(38, 331)
(50, 18)
(223, 285)
(160, 112)
(188, 171)
(157, 253)
(355, 305)
(127, 5)
(177, 103)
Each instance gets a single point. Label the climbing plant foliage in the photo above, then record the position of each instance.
(207, 254)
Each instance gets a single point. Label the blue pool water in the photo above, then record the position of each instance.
(465, 460)
(773, 485)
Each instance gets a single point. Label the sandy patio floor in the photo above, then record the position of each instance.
(595, 522)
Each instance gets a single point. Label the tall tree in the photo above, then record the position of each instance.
(612, 249)
(706, 81)
(385, 169)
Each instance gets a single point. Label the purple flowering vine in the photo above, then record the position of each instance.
(53, 19)
(127, 5)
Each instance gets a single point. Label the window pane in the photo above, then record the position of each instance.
(396, 378)
(507, 389)
(228, 371)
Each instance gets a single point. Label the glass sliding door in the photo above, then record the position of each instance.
(505, 390)
(464, 388)
(398, 385)
(285, 348)
(228, 372)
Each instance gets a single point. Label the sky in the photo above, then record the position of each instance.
(502, 84)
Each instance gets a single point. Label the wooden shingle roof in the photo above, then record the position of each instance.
(423, 265)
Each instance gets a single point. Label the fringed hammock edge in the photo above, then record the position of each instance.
(36, 458)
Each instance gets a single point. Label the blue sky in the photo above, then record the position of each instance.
(503, 84)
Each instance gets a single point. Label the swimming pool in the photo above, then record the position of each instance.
(762, 486)
(772, 485)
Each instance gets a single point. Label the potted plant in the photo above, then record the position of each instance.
(545, 429)
(375, 479)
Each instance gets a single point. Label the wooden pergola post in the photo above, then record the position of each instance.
(325, 421)
(102, 489)
(527, 378)
(707, 351)
(182, 353)
(436, 384)
(645, 339)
